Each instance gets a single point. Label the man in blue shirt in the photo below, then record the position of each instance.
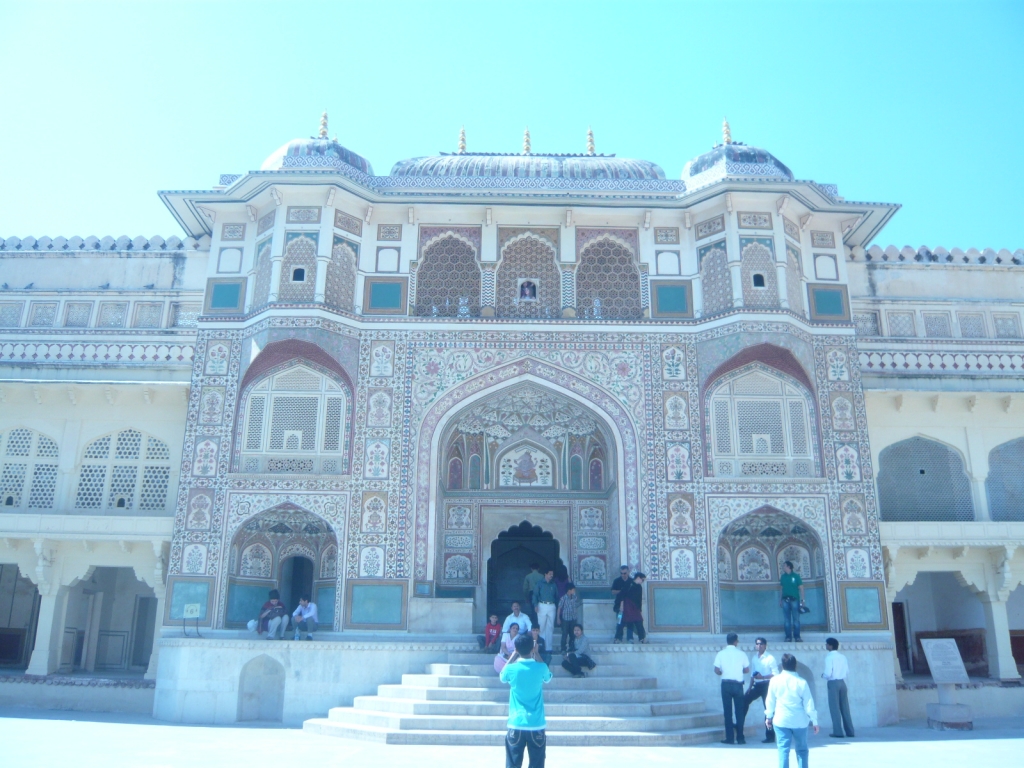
(526, 721)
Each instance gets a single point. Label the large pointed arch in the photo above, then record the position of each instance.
(486, 384)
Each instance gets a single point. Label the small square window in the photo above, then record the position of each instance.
(385, 296)
(298, 275)
(829, 303)
(758, 280)
(672, 298)
(225, 295)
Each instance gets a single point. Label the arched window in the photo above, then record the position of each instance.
(124, 472)
(294, 418)
(608, 282)
(474, 472)
(1005, 482)
(761, 426)
(576, 473)
(455, 474)
(920, 479)
(448, 279)
(596, 475)
(28, 472)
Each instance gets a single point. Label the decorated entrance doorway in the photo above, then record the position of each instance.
(511, 555)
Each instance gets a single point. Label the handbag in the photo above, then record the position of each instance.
(803, 608)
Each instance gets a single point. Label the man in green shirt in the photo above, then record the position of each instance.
(791, 599)
(526, 721)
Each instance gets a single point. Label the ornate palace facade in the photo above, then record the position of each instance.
(361, 386)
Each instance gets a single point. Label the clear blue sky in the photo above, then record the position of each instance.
(920, 103)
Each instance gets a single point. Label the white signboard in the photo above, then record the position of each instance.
(944, 661)
(191, 611)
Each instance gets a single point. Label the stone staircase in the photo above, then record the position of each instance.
(464, 703)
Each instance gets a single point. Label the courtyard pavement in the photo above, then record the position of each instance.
(45, 738)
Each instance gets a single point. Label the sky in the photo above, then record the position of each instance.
(918, 103)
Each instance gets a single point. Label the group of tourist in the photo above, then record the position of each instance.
(273, 618)
(575, 646)
(788, 705)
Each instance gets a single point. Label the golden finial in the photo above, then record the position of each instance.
(726, 133)
(462, 140)
(323, 125)
(590, 141)
(526, 141)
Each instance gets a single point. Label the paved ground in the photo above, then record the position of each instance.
(50, 739)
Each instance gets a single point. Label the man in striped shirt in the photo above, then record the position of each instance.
(569, 612)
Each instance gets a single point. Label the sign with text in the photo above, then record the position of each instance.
(191, 611)
(944, 661)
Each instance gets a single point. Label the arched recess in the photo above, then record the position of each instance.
(763, 423)
(261, 690)
(750, 551)
(620, 521)
(757, 268)
(286, 371)
(448, 278)
(299, 254)
(262, 548)
(920, 479)
(534, 258)
(608, 281)
(1005, 482)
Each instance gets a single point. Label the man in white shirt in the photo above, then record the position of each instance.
(305, 618)
(516, 617)
(788, 710)
(731, 664)
(836, 671)
(763, 668)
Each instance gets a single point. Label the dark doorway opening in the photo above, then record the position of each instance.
(511, 555)
(145, 624)
(900, 635)
(296, 580)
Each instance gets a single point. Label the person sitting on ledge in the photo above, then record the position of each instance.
(577, 655)
(491, 636)
(273, 616)
(305, 618)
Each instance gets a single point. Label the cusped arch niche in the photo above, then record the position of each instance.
(294, 418)
(263, 544)
(528, 436)
(750, 553)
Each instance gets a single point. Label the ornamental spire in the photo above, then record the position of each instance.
(526, 141)
(323, 125)
(462, 140)
(590, 141)
(726, 133)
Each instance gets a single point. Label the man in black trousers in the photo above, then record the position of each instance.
(731, 664)
(762, 668)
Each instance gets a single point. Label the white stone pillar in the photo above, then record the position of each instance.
(780, 272)
(736, 274)
(1001, 664)
(157, 581)
(275, 278)
(49, 631)
(698, 296)
(320, 291)
(977, 470)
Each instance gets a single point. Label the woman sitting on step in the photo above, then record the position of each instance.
(506, 649)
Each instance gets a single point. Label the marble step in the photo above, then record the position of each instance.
(487, 670)
(392, 721)
(701, 735)
(599, 694)
(500, 708)
(492, 681)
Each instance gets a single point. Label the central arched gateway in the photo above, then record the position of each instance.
(525, 454)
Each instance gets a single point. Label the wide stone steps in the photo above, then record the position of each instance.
(462, 702)
(612, 707)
